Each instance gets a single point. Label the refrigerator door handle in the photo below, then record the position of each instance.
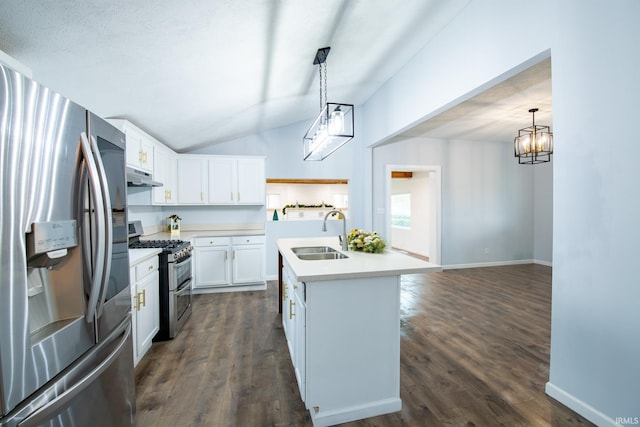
(96, 188)
(44, 413)
(108, 231)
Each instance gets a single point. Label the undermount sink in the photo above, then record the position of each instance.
(317, 253)
(322, 256)
(312, 250)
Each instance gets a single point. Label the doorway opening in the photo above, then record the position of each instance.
(413, 204)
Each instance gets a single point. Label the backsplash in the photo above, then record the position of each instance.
(154, 218)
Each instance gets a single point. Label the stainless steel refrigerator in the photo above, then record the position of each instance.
(65, 310)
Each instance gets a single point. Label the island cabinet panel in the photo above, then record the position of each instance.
(352, 337)
(344, 341)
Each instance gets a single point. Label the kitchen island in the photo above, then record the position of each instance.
(342, 322)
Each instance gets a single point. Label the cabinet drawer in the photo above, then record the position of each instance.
(211, 241)
(146, 267)
(248, 240)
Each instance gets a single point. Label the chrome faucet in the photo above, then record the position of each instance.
(343, 237)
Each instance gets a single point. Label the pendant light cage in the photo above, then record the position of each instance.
(334, 125)
(534, 144)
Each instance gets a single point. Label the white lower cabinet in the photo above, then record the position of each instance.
(228, 261)
(247, 259)
(211, 262)
(294, 324)
(145, 305)
(299, 357)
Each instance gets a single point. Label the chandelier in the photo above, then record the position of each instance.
(534, 144)
(334, 125)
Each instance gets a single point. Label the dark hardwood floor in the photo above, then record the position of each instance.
(474, 352)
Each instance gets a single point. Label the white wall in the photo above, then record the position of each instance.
(595, 329)
(487, 198)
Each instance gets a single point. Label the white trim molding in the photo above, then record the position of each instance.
(575, 404)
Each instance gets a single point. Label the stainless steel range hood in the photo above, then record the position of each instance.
(140, 178)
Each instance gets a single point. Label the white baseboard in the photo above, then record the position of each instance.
(496, 264)
(487, 264)
(577, 405)
(352, 413)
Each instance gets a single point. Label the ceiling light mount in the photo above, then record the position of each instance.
(334, 125)
(534, 144)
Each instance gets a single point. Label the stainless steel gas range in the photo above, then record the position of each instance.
(175, 280)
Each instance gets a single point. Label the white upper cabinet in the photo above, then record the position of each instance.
(139, 149)
(192, 180)
(222, 180)
(165, 170)
(251, 181)
(236, 181)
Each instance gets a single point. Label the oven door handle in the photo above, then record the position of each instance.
(186, 288)
(183, 262)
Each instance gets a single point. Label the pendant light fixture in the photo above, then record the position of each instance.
(534, 144)
(334, 125)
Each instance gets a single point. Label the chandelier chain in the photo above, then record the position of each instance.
(323, 79)
(320, 80)
(325, 86)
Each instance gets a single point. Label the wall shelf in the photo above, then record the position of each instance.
(306, 181)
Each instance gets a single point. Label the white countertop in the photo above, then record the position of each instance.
(358, 265)
(138, 255)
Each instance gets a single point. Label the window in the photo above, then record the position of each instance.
(401, 210)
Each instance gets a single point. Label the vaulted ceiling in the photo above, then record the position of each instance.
(199, 72)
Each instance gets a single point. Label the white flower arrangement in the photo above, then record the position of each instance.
(365, 241)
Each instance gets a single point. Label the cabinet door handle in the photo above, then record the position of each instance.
(295, 286)
(284, 290)
(150, 267)
(142, 302)
(291, 313)
(238, 196)
(231, 195)
(234, 254)
(226, 255)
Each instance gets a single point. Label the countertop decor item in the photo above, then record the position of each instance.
(365, 241)
(173, 224)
